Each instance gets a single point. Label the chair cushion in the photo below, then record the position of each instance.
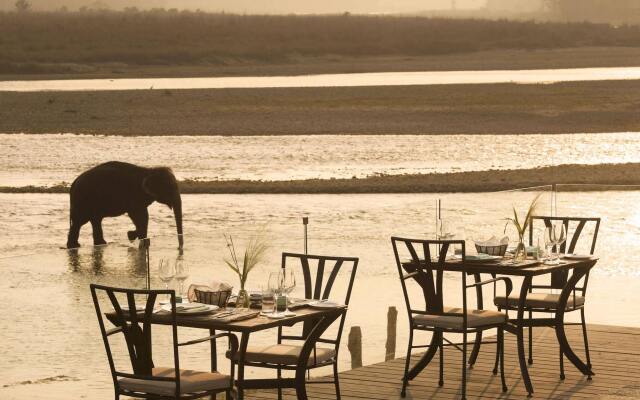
(190, 382)
(547, 301)
(475, 319)
(284, 354)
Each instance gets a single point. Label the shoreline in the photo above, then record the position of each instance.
(499, 59)
(506, 108)
(600, 177)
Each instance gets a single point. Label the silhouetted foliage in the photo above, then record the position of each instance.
(22, 5)
(161, 37)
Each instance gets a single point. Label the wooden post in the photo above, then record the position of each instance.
(392, 319)
(355, 346)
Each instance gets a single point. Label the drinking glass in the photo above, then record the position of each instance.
(549, 240)
(166, 272)
(268, 300)
(182, 273)
(288, 283)
(274, 283)
(561, 237)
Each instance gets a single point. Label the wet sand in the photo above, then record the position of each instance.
(596, 177)
(511, 59)
(572, 107)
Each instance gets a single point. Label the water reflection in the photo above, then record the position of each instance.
(331, 80)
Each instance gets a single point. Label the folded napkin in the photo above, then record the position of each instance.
(493, 241)
(214, 286)
(240, 316)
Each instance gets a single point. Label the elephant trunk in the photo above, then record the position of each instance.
(177, 212)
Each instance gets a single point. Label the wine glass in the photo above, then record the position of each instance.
(274, 283)
(182, 273)
(166, 272)
(561, 237)
(288, 283)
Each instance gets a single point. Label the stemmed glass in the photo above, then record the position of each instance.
(554, 236)
(166, 271)
(287, 284)
(182, 273)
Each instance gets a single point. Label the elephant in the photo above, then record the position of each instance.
(115, 188)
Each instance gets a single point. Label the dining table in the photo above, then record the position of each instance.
(254, 321)
(573, 270)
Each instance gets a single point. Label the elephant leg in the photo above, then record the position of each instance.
(140, 219)
(74, 233)
(98, 237)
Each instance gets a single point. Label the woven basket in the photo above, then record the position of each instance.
(217, 298)
(498, 250)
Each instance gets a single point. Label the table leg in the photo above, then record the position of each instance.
(305, 353)
(244, 341)
(427, 357)
(478, 341)
(214, 352)
(565, 348)
(524, 369)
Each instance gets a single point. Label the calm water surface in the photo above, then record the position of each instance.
(333, 80)
(49, 159)
(44, 290)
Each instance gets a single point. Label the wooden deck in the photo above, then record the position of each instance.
(615, 355)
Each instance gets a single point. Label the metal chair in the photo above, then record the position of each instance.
(285, 356)
(425, 266)
(537, 302)
(148, 381)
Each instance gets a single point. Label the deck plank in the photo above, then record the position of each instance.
(615, 355)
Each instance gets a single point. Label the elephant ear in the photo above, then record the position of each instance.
(154, 184)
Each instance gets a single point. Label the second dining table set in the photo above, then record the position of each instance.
(421, 263)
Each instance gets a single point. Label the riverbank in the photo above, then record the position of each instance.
(570, 107)
(482, 60)
(593, 177)
(133, 43)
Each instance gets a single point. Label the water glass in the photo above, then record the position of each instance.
(268, 300)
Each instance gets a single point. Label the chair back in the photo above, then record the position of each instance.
(574, 227)
(422, 261)
(136, 329)
(314, 268)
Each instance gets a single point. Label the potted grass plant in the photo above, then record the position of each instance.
(520, 253)
(254, 253)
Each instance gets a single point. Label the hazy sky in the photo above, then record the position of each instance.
(264, 6)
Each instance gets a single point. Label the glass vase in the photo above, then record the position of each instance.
(520, 253)
(243, 299)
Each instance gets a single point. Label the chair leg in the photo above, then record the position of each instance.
(279, 375)
(405, 378)
(464, 366)
(336, 380)
(227, 394)
(586, 341)
(501, 353)
(561, 365)
(530, 361)
(498, 352)
(441, 380)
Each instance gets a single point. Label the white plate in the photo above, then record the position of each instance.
(577, 256)
(125, 308)
(324, 304)
(476, 259)
(273, 315)
(197, 309)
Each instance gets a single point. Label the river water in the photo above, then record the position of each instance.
(44, 160)
(332, 80)
(51, 347)
(44, 291)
